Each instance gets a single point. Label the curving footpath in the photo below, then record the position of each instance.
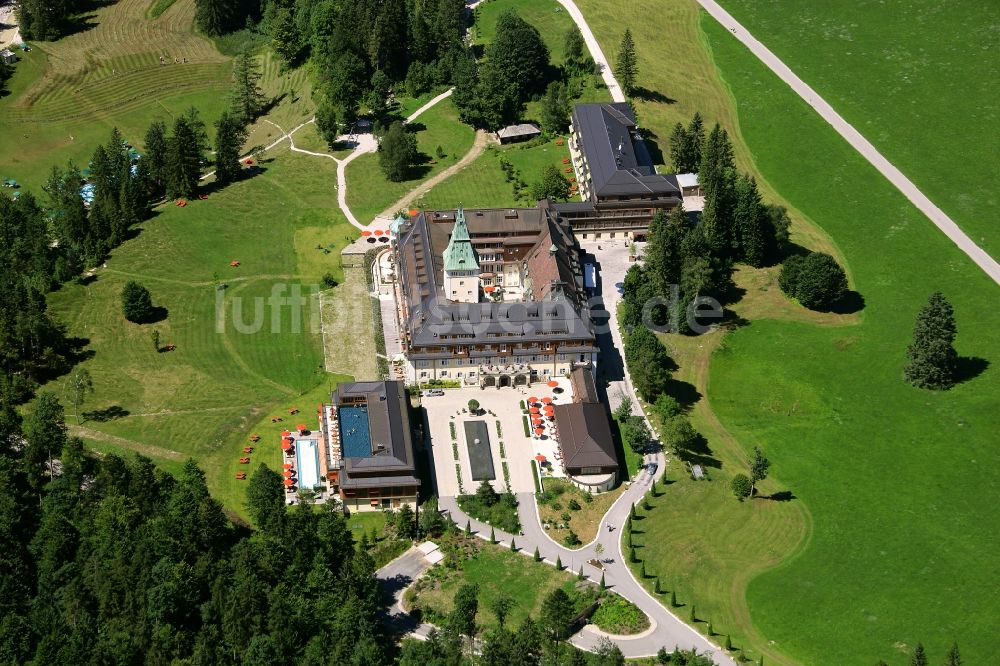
(595, 50)
(857, 141)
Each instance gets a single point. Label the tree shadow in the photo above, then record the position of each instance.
(968, 368)
(271, 103)
(686, 393)
(647, 95)
(415, 126)
(156, 315)
(781, 496)
(107, 414)
(849, 303)
(699, 453)
(80, 23)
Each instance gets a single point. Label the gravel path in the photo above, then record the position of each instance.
(857, 141)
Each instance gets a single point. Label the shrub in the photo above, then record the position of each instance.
(817, 281)
(137, 305)
(617, 615)
(573, 505)
(329, 281)
(572, 539)
(741, 486)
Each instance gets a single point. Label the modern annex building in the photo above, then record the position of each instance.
(491, 297)
(368, 446)
(621, 190)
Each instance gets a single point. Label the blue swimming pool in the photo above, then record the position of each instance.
(307, 462)
(355, 438)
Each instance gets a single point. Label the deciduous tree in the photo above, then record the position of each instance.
(397, 151)
(741, 486)
(759, 465)
(79, 385)
(552, 184)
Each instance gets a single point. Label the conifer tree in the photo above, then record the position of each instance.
(919, 657)
(230, 133)
(627, 69)
(953, 658)
(538, 556)
(513, 546)
(932, 356)
(558, 563)
(749, 218)
(154, 160)
(248, 99)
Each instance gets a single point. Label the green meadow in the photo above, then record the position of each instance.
(917, 78)
(898, 480)
(242, 352)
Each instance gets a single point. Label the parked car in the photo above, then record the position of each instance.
(651, 468)
(430, 393)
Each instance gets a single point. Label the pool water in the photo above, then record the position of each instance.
(307, 462)
(355, 438)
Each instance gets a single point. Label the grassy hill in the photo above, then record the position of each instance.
(884, 531)
(66, 95)
(917, 78)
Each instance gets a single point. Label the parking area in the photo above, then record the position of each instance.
(504, 425)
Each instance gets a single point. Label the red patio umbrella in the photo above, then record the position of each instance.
(553, 384)
(287, 466)
(301, 427)
(540, 458)
(289, 483)
(532, 399)
(378, 232)
(539, 431)
(288, 474)
(286, 443)
(537, 420)
(286, 433)
(366, 233)
(549, 409)
(546, 400)
(533, 410)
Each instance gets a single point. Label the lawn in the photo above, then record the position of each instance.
(892, 473)
(497, 571)
(227, 374)
(485, 177)
(879, 477)
(65, 96)
(370, 193)
(910, 77)
(584, 520)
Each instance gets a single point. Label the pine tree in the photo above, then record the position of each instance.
(493, 536)
(642, 570)
(468, 528)
(230, 133)
(248, 99)
(679, 149)
(673, 599)
(154, 160)
(631, 555)
(696, 140)
(184, 153)
(694, 614)
(656, 586)
(953, 658)
(749, 218)
(627, 69)
(919, 657)
(729, 643)
(559, 565)
(932, 355)
(137, 306)
(397, 151)
(538, 557)
(711, 628)
(579, 574)
(215, 17)
(603, 585)
(513, 546)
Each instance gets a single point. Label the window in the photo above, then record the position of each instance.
(589, 470)
(386, 503)
(444, 373)
(503, 349)
(423, 374)
(561, 357)
(459, 373)
(545, 371)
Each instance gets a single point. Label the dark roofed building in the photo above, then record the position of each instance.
(620, 188)
(585, 436)
(368, 444)
(493, 297)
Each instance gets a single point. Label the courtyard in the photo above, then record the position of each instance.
(499, 427)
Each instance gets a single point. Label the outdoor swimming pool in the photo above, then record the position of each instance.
(355, 438)
(307, 462)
